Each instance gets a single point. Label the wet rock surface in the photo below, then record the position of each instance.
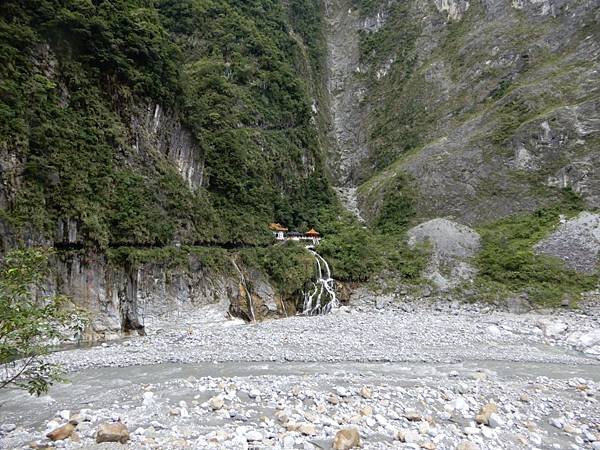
(415, 375)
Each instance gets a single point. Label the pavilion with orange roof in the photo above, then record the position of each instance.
(282, 233)
(314, 235)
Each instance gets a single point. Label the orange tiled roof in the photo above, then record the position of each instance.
(313, 233)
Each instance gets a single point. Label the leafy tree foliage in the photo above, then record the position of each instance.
(288, 266)
(357, 253)
(29, 323)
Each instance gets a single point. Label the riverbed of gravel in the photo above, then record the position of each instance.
(398, 409)
(413, 332)
(411, 375)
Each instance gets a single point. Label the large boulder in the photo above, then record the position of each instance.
(112, 432)
(346, 439)
(552, 328)
(576, 242)
(519, 304)
(62, 432)
(452, 246)
(586, 341)
(485, 413)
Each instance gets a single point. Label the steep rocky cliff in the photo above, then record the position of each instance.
(124, 294)
(136, 127)
(490, 107)
(153, 123)
(485, 113)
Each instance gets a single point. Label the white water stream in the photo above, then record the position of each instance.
(322, 299)
(248, 295)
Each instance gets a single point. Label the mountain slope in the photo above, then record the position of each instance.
(490, 108)
(151, 122)
(152, 141)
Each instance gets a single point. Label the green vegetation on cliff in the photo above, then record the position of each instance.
(174, 258)
(76, 76)
(509, 265)
(149, 128)
(288, 266)
(395, 124)
(357, 253)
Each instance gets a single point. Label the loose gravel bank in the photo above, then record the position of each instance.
(418, 375)
(416, 332)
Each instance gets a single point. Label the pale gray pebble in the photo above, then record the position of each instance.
(7, 427)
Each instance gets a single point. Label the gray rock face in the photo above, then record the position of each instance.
(265, 292)
(452, 246)
(497, 127)
(67, 232)
(518, 305)
(123, 300)
(454, 8)
(576, 242)
(10, 168)
(348, 197)
(555, 147)
(586, 341)
(154, 129)
(347, 134)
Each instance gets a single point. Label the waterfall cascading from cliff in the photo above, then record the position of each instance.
(322, 299)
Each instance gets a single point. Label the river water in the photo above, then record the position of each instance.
(101, 387)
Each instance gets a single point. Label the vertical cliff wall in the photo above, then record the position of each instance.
(140, 291)
(346, 91)
(147, 128)
(155, 124)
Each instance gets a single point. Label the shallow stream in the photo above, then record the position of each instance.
(100, 388)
